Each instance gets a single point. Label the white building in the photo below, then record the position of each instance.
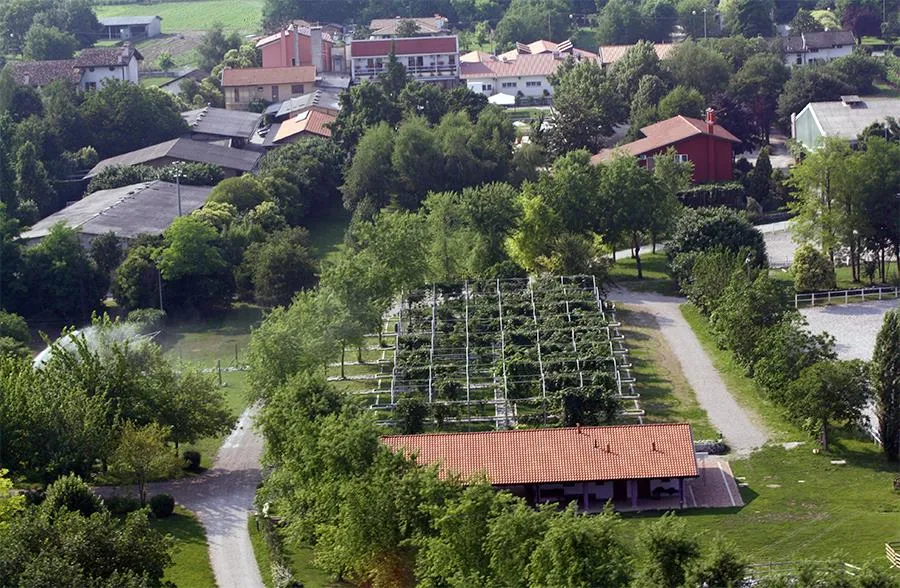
(426, 59)
(817, 47)
(87, 71)
(126, 27)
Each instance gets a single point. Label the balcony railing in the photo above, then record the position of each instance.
(414, 70)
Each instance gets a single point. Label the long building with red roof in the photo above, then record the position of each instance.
(591, 465)
(426, 59)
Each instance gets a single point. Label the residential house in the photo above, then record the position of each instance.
(522, 72)
(632, 466)
(88, 70)
(297, 45)
(265, 84)
(816, 47)
(311, 122)
(704, 143)
(845, 118)
(326, 100)
(426, 59)
(126, 27)
(129, 211)
(233, 162)
(609, 54)
(432, 26)
(231, 128)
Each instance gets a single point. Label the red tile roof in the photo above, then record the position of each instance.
(303, 31)
(613, 53)
(664, 133)
(542, 64)
(431, 25)
(261, 76)
(543, 46)
(541, 456)
(107, 56)
(408, 46)
(41, 73)
(312, 121)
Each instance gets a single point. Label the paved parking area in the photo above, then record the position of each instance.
(854, 326)
(714, 488)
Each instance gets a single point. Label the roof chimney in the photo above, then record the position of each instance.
(317, 49)
(608, 448)
(710, 121)
(653, 446)
(295, 36)
(578, 428)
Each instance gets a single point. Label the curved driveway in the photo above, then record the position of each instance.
(736, 424)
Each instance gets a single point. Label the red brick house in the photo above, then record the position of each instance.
(704, 143)
(630, 465)
(297, 45)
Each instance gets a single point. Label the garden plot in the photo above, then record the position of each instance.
(508, 352)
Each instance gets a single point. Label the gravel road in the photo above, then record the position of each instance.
(222, 499)
(736, 424)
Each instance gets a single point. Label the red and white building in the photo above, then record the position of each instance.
(426, 59)
(704, 143)
(297, 45)
(634, 466)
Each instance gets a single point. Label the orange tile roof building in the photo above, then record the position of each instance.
(704, 143)
(593, 465)
(609, 54)
(270, 84)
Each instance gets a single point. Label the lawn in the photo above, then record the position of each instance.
(326, 233)
(236, 397)
(666, 395)
(655, 268)
(190, 558)
(799, 506)
(300, 562)
(194, 15)
(745, 389)
(224, 338)
(154, 81)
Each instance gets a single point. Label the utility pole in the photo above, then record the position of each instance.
(704, 23)
(549, 30)
(178, 186)
(159, 284)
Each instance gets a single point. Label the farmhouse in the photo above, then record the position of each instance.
(231, 128)
(704, 143)
(845, 118)
(88, 70)
(297, 45)
(817, 47)
(126, 27)
(129, 211)
(233, 161)
(265, 84)
(629, 465)
(426, 59)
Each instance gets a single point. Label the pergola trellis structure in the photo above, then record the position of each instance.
(501, 351)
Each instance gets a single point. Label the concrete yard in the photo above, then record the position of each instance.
(854, 326)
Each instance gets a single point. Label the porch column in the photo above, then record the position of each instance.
(584, 495)
(681, 493)
(632, 490)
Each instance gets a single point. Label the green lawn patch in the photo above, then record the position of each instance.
(326, 233)
(299, 561)
(190, 556)
(886, 90)
(666, 395)
(654, 266)
(224, 337)
(154, 81)
(798, 506)
(197, 15)
(745, 390)
(261, 553)
(237, 393)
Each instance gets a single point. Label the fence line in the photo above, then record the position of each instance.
(890, 550)
(844, 296)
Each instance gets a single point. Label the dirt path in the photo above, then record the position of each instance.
(736, 424)
(222, 499)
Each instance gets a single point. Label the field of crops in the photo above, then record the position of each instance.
(194, 15)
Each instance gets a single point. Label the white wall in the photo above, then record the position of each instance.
(154, 28)
(790, 59)
(536, 90)
(102, 73)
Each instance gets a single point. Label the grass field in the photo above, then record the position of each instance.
(666, 395)
(196, 15)
(300, 562)
(655, 268)
(326, 233)
(224, 338)
(190, 559)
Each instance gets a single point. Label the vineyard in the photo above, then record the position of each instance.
(507, 352)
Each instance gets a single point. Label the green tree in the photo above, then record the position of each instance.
(43, 42)
(242, 192)
(639, 60)
(369, 181)
(71, 493)
(136, 281)
(363, 106)
(106, 252)
(190, 249)
(691, 15)
(32, 182)
(758, 84)
(808, 85)
(682, 101)
(586, 106)
(750, 18)
(491, 211)
(812, 270)
(859, 70)
(803, 22)
(531, 244)
(512, 536)
(416, 162)
(666, 553)
(529, 20)
(564, 557)
(784, 350)
(659, 18)
(449, 241)
(700, 67)
(886, 384)
(143, 454)
(758, 182)
(279, 267)
(828, 391)
(721, 565)
(193, 407)
(215, 44)
(10, 504)
(407, 28)
(619, 23)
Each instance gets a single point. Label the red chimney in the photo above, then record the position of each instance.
(710, 120)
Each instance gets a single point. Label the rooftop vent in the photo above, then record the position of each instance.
(851, 101)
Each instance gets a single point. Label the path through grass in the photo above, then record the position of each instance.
(190, 559)
(655, 268)
(195, 15)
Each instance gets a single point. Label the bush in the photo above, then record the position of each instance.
(813, 270)
(72, 493)
(192, 460)
(149, 319)
(711, 447)
(731, 194)
(162, 505)
(703, 229)
(122, 505)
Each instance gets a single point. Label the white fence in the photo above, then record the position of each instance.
(844, 296)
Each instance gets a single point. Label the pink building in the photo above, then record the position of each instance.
(297, 45)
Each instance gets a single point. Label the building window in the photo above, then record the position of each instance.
(799, 60)
(90, 69)
(487, 87)
(237, 95)
(90, 86)
(410, 61)
(452, 60)
(681, 158)
(509, 85)
(274, 93)
(112, 68)
(533, 84)
(297, 89)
